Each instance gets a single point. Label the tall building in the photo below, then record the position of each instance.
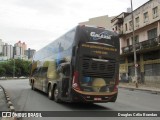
(146, 19)
(22, 48)
(8, 51)
(1, 47)
(19, 50)
(102, 21)
(30, 53)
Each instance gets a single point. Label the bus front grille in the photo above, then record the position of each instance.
(93, 68)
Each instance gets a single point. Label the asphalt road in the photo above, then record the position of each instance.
(25, 99)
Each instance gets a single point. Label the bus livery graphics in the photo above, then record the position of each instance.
(80, 66)
(102, 35)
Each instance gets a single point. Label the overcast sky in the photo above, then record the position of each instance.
(39, 22)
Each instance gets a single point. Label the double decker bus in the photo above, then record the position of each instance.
(80, 66)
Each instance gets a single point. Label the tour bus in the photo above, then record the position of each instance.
(80, 66)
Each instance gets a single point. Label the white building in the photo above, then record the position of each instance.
(8, 51)
(1, 47)
(146, 20)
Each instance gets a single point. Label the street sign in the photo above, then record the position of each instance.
(136, 65)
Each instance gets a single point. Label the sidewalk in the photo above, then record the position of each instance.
(144, 87)
(4, 102)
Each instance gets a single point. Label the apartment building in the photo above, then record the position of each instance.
(101, 21)
(8, 51)
(30, 52)
(19, 50)
(146, 22)
(1, 47)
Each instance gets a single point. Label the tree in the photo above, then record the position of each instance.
(8, 68)
(2, 71)
(15, 67)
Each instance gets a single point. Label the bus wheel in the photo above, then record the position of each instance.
(56, 93)
(32, 87)
(50, 93)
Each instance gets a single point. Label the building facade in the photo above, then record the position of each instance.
(146, 22)
(102, 21)
(1, 47)
(30, 53)
(8, 51)
(19, 50)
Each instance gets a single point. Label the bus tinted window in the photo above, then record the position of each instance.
(88, 34)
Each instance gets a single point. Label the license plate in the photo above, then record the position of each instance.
(97, 99)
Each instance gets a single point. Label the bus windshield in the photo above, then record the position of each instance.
(97, 36)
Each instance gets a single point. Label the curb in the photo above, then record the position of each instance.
(10, 106)
(9, 103)
(140, 89)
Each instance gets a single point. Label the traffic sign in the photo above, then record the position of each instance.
(136, 65)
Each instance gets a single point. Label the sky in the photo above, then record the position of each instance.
(39, 22)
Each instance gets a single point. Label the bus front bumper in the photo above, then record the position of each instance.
(94, 97)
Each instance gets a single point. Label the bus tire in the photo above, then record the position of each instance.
(56, 94)
(114, 98)
(50, 92)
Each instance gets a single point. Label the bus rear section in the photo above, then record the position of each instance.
(80, 66)
(96, 72)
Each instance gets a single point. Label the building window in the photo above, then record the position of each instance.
(126, 28)
(152, 70)
(136, 39)
(137, 21)
(130, 25)
(128, 42)
(152, 33)
(146, 17)
(116, 28)
(153, 55)
(155, 12)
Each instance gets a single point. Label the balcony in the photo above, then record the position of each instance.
(119, 31)
(148, 44)
(118, 21)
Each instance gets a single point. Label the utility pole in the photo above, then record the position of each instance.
(134, 49)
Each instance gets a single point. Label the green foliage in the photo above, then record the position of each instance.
(15, 68)
(2, 71)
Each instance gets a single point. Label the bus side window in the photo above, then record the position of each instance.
(34, 72)
(44, 71)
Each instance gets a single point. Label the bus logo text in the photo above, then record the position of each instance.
(99, 36)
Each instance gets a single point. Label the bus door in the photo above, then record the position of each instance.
(43, 79)
(64, 72)
(36, 78)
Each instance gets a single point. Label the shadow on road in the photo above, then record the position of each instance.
(79, 106)
(84, 106)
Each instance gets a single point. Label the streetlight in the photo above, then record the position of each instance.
(134, 49)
